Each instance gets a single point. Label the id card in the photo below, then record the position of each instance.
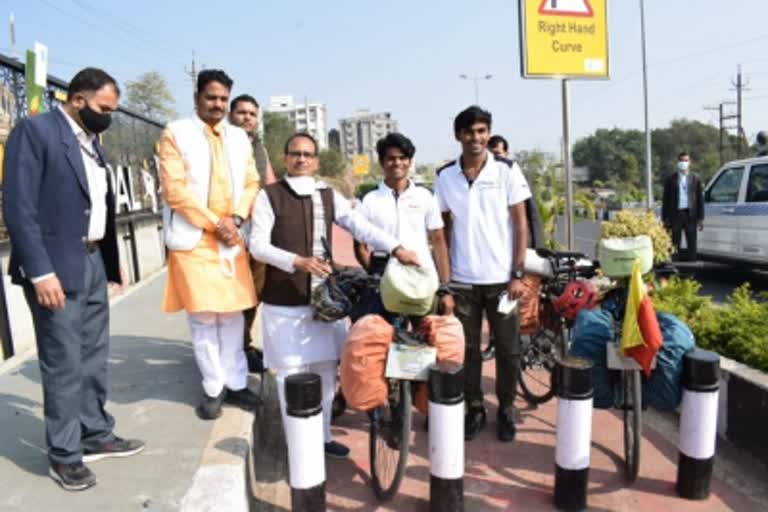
(409, 363)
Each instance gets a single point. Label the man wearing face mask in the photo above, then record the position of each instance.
(682, 207)
(209, 182)
(59, 210)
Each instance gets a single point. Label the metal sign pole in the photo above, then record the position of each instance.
(567, 165)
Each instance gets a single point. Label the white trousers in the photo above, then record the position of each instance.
(327, 372)
(217, 339)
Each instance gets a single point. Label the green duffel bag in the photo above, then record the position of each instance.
(617, 255)
(407, 289)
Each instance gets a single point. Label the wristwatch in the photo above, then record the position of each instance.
(238, 220)
(443, 290)
(517, 274)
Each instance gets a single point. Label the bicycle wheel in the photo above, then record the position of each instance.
(488, 352)
(389, 440)
(537, 364)
(633, 423)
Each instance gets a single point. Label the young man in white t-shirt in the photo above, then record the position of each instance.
(482, 198)
(407, 211)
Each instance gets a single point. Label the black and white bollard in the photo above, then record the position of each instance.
(698, 424)
(304, 435)
(573, 386)
(446, 437)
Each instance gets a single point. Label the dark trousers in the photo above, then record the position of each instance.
(470, 306)
(72, 347)
(683, 221)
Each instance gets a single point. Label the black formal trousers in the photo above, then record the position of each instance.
(72, 347)
(684, 222)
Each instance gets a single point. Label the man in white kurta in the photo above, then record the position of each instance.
(294, 212)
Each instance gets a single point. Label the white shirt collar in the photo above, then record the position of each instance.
(77, 129)
(305, 185)
(386, 188)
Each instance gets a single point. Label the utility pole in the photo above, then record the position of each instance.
(13, 38)
(648, 157)
(740, 87)
(192, 73)
(723, 118)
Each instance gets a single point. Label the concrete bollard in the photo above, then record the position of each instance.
(698, 424)
(446, 437)
(573, 386)
(304, 435)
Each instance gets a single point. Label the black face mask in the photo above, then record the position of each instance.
(94, 122)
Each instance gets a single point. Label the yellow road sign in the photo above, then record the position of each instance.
(360, 164)
(564, 38)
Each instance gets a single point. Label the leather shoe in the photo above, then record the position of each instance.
(474, 422)
(505, 425)
(244, 398)
(210, 408)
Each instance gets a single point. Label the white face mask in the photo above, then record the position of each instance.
(683, 166)
(227, 257)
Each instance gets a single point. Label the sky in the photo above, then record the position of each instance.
(405, 57)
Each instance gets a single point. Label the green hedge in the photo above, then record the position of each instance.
(738, 329)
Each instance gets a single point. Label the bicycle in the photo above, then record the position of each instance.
(390, 424)
(542, 349)
(631, 377)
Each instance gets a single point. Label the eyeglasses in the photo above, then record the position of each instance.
(299, 154)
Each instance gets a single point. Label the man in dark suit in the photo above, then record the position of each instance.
(682, 206)
(59, 209)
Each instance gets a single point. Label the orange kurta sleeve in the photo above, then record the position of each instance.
(174, 186)
(251, 189)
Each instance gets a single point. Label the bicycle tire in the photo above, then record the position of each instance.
(540, 353)
(633, 423)
(388, 440)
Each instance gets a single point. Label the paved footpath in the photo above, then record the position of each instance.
(154, 387)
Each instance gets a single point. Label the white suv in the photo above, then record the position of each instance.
(736, 218)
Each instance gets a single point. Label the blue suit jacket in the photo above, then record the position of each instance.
(46, 204)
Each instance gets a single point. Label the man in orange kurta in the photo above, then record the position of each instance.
(209, 183)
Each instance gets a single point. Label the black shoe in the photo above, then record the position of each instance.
(336, 450)
(505, 425)
(244, 398)
(72, 477)
(255, 358)
(210, 408)
(474, 422)
(118, 447)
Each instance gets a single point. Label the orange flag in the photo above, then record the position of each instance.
(641, 335)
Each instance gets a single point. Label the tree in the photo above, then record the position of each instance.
(149, 96)
(608, 153)
(277, 129)
(332, 163)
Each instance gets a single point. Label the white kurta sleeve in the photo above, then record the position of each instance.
(259, 242)
(362, 230)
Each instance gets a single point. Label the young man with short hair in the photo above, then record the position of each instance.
(483, 203)
(406, 211)
(244, 112)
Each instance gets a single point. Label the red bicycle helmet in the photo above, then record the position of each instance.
(576, 296)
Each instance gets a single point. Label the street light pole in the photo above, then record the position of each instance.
(476, 79)
(648, 171)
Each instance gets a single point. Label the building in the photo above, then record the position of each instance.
(309, 117)
(360, 132)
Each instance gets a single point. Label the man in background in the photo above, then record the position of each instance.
(682, 206)
(244, 112)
